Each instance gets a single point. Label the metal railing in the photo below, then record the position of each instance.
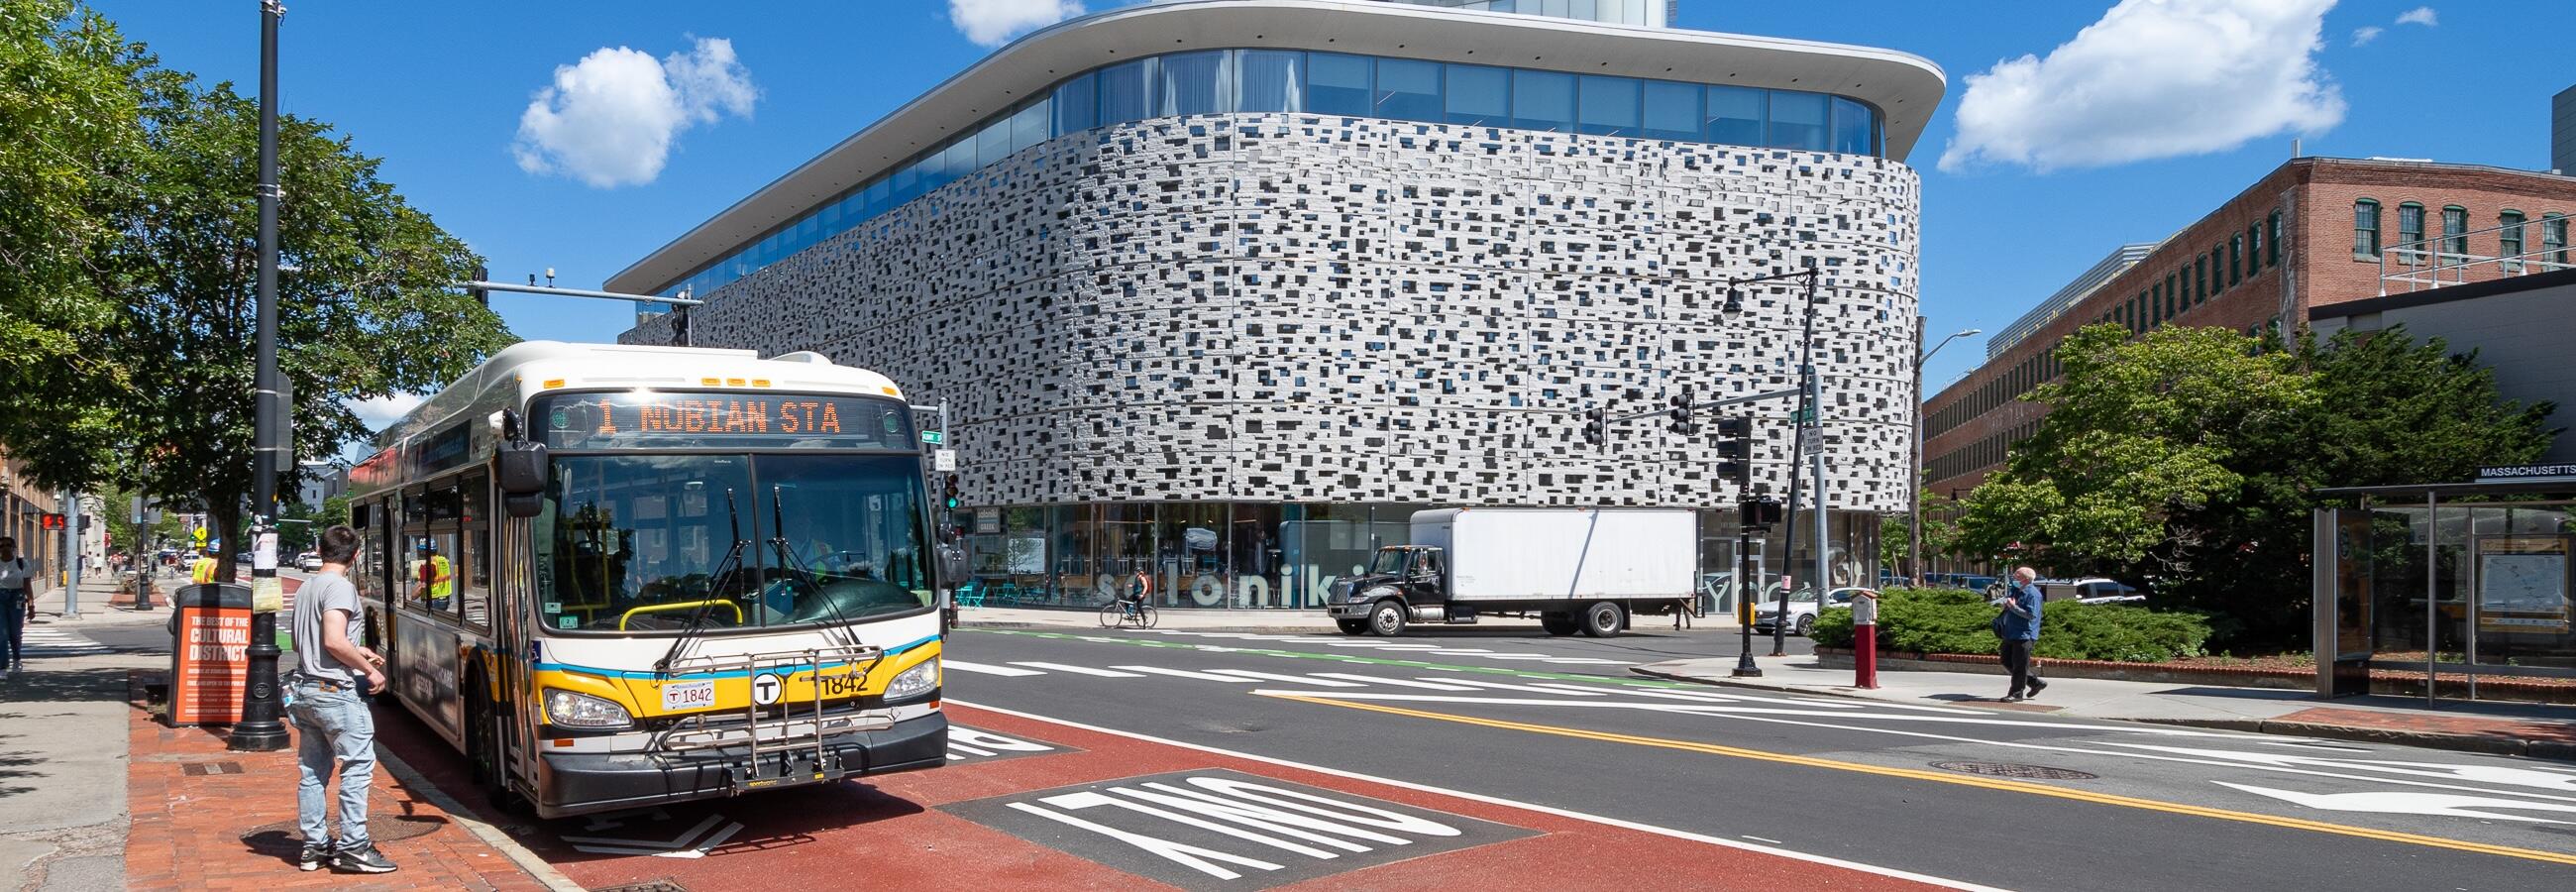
(2424, 263)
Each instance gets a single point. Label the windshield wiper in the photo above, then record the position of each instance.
(846, 637)
(716, 584)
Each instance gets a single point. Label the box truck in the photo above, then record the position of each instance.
(1575, 569)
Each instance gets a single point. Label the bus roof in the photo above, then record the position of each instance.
(528, 367)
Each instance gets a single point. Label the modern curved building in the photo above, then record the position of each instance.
(1226, 289)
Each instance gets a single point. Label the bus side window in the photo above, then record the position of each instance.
(473, 554)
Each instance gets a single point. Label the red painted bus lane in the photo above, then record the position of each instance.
(1026, 803)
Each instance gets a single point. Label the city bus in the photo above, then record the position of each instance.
(620, 576)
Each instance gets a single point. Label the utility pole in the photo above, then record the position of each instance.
(1914, 479)
(259, 729)
(72, 553)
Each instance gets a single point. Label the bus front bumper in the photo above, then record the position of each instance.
(583, 783)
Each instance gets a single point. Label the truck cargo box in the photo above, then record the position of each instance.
(1575, 554)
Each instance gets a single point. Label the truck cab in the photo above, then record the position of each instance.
(1408, 575)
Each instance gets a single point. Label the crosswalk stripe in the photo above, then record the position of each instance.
(1374, 679)
(1077, 670)
(1299, 679)
(1184, 673)
(986, 669)
(43, 642)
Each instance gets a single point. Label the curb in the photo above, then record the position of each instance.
(527, 861)
(2463, 743)
(2562, 751)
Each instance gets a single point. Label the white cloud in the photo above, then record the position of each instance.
(2363, 35)
(2152, 79)
(2421, 15)
(991, 22)
(385, 410)
(611, 119)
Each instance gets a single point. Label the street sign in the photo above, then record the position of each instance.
(2526, 473)
(934, 437)
(943, 460)
(1811, 440)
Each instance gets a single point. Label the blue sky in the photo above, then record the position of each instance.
(439, 91)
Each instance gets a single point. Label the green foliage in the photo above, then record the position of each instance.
(133, 366)
(69, 99)
(2185, 459)
(1954, 621)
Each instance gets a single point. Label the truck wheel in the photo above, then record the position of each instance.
(1806, 624)
(1557, 623)
(1602, 620)
(1387, 619)
(1353, 626)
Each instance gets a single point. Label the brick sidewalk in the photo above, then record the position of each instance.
(2537, 738)
(208, 818)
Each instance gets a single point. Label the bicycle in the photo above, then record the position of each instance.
(1117, 614)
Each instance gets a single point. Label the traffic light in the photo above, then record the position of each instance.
(481, 295)
(948, 493)
(1596, 426)
(1761, 512)
(1681, 411)
(1735, 453)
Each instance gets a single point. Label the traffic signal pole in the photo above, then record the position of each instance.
(260, 729)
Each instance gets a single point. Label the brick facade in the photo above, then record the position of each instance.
(1970, 425)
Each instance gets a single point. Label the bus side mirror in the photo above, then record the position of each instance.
(519, 469)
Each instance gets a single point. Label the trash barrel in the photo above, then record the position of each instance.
(209, 653)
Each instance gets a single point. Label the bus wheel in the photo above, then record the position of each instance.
(1602, 619)
(487, 750)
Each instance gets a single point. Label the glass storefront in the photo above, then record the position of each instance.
(1245, 555)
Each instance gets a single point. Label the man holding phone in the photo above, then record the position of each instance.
(332, 721)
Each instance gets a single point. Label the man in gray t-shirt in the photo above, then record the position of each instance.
(331, 721)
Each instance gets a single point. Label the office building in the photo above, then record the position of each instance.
(1229, 288)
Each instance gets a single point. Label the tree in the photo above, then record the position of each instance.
(164, 400)
(70, 97)
(2186, 459)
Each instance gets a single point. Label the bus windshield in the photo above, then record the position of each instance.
(643, 543)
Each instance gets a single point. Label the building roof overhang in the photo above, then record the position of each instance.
(1906, 88)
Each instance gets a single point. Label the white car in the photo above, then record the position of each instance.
(1802, 607)
(308, 562)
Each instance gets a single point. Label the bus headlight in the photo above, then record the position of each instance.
(573, 710)
(914, 680)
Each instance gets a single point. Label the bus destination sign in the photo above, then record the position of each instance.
(762, 420)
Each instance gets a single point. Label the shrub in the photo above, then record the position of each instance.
(1951, 621)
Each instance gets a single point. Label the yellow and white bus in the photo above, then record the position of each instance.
(619, 576)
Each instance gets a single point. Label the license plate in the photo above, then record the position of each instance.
(680, 695)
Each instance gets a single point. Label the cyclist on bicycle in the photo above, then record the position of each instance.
(1133, 602)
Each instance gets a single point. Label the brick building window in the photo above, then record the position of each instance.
(2410, 233)
(2253, 249)
(2455, 233)
(2272, 248)
(2509, 240)
(2553, 238)
(2235, 260)
(2365, 228)
(2170, 287)
(2200, 280)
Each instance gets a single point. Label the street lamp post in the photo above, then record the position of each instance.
(1914, 510)
(259, 729)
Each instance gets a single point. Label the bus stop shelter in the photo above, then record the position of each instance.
(2456, 581)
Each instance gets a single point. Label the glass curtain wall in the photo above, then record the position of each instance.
(1289, 81)
(1247, 555)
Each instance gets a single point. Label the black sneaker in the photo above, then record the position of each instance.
(313, 855)
(2036, 686)
(363, 859)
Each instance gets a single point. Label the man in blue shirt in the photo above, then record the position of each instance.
(2020, 630)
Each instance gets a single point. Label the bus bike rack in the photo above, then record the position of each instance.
(771, 765)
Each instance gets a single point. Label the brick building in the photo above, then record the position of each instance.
(23, 506)
(2313, 233)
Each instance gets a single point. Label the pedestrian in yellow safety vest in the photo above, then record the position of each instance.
(437, 576)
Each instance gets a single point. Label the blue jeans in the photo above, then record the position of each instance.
(332, 725)
(13, 627)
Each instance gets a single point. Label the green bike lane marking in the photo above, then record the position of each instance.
(1341, 658)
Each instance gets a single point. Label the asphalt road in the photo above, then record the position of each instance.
(1557, 722)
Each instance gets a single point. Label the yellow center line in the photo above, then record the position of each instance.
(1990, 783)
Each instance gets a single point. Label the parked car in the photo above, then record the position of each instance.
(1989, 586)
(1802, 608)
(2092, 590)
(309, 562)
